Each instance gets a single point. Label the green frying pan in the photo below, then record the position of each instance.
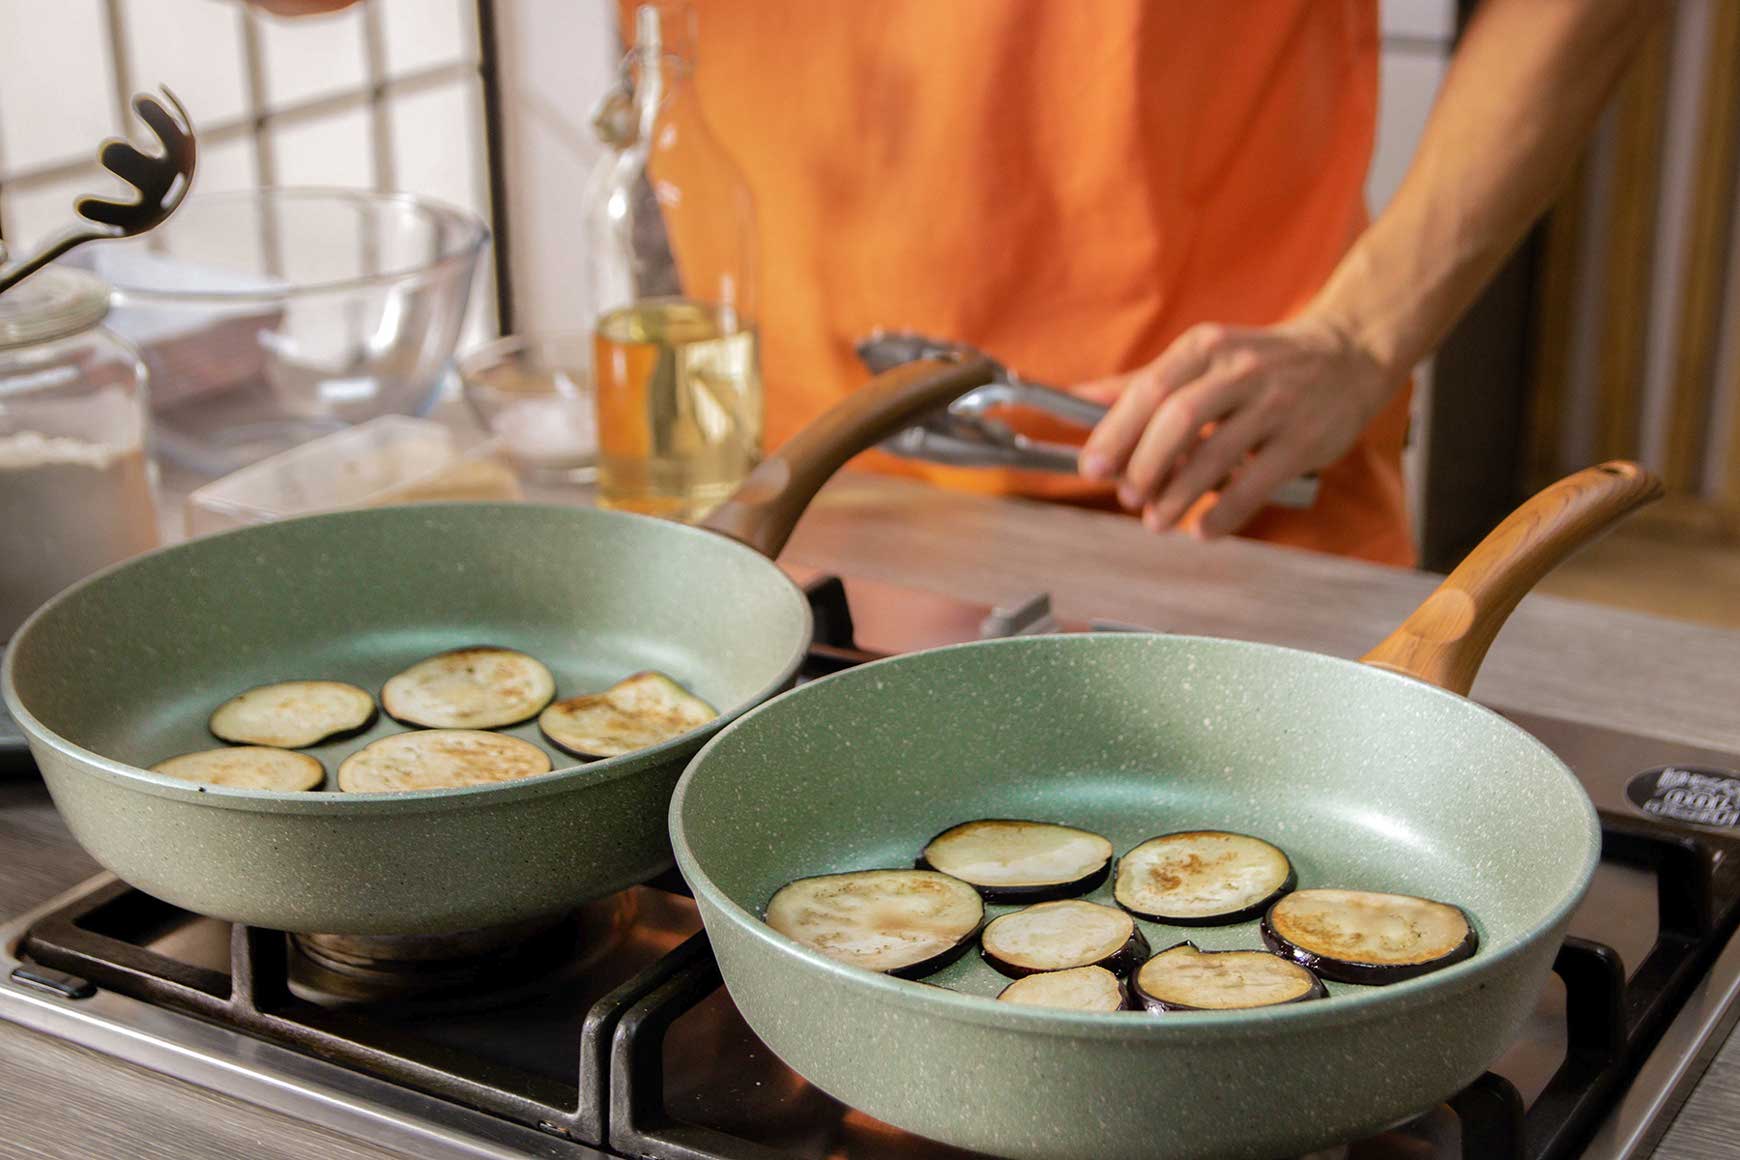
(123, 670)
(1369, 779)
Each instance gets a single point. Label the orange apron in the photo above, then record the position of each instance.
(1065, 185)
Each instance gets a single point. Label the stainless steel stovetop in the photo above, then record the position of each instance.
(632, 1048)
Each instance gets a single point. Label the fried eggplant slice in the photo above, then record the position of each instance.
(293, 714)
(1077, 989)
(1202, 878)
(439, 759)
(1010, 860)
(1063, 935)
(481, 687)
(1361, 936)
(899, 922)
(247, 767)
(635, 713)
(1184, 978)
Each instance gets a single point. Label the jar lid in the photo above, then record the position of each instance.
(52, 303)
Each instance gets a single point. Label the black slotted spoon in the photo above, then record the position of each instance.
(161, 179)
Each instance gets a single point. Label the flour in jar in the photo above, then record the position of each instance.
(68, 507)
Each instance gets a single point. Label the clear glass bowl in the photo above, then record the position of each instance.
(534, 393)
(270, 317)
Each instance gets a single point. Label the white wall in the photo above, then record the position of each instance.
(558, 57)
(1416, 51)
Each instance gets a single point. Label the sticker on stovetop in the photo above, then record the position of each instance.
(1687, 793)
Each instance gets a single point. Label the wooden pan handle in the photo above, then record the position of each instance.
(1446, 638)
(763, 512)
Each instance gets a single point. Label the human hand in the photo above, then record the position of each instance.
(1234, 410)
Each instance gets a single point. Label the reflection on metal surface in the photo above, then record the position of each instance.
(473, 970)
(722, 1077)
(527, 1048)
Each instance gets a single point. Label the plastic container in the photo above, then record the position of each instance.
(392, 459)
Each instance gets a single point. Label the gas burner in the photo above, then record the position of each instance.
(471, 970)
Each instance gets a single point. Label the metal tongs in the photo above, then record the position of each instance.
(965, 435)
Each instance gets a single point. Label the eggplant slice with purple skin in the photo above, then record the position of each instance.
(293, 714)
(1061, 936)
(481, 687)
(439, 759)
(1361, 936)
(247, 767)
(1009, 860)
(898, 922)
(1202, 878)
(1077, 989)
(1186, 978)
(635, 713)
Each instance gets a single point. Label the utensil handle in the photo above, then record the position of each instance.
(13, 275)
(1070, 408)
(1446, 638)
(763, 512)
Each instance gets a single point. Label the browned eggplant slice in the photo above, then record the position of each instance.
(1013, 860)
(482, 687)
(898, 922)
(1360, 936)
(1184, 978)
(636, 712)
(293, 714)
(1202, 878)
(439, 759)
(1062, 935)
(247, 767)
(1077, 989)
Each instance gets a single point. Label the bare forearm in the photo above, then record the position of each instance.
(1522, 95)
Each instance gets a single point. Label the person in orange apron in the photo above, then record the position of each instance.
(1161, 201)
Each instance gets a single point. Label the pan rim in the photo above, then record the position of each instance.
(1370, 1004)
(559, 780)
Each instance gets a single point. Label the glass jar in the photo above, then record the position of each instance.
(76, 487)
(671, 233)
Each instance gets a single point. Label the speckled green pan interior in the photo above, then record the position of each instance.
(1365, 778)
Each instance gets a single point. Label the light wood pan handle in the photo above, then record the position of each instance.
(763, 512)
(1446, 638)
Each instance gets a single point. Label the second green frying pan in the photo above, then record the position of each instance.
(1369, 779)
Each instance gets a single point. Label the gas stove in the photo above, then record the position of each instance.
(608, 1033)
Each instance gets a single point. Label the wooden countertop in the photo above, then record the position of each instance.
(1558, 657)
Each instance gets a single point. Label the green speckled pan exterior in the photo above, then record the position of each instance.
(123, 671)
(1367, 779)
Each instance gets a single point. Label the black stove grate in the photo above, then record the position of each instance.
(617, 1095)
(97, 940)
